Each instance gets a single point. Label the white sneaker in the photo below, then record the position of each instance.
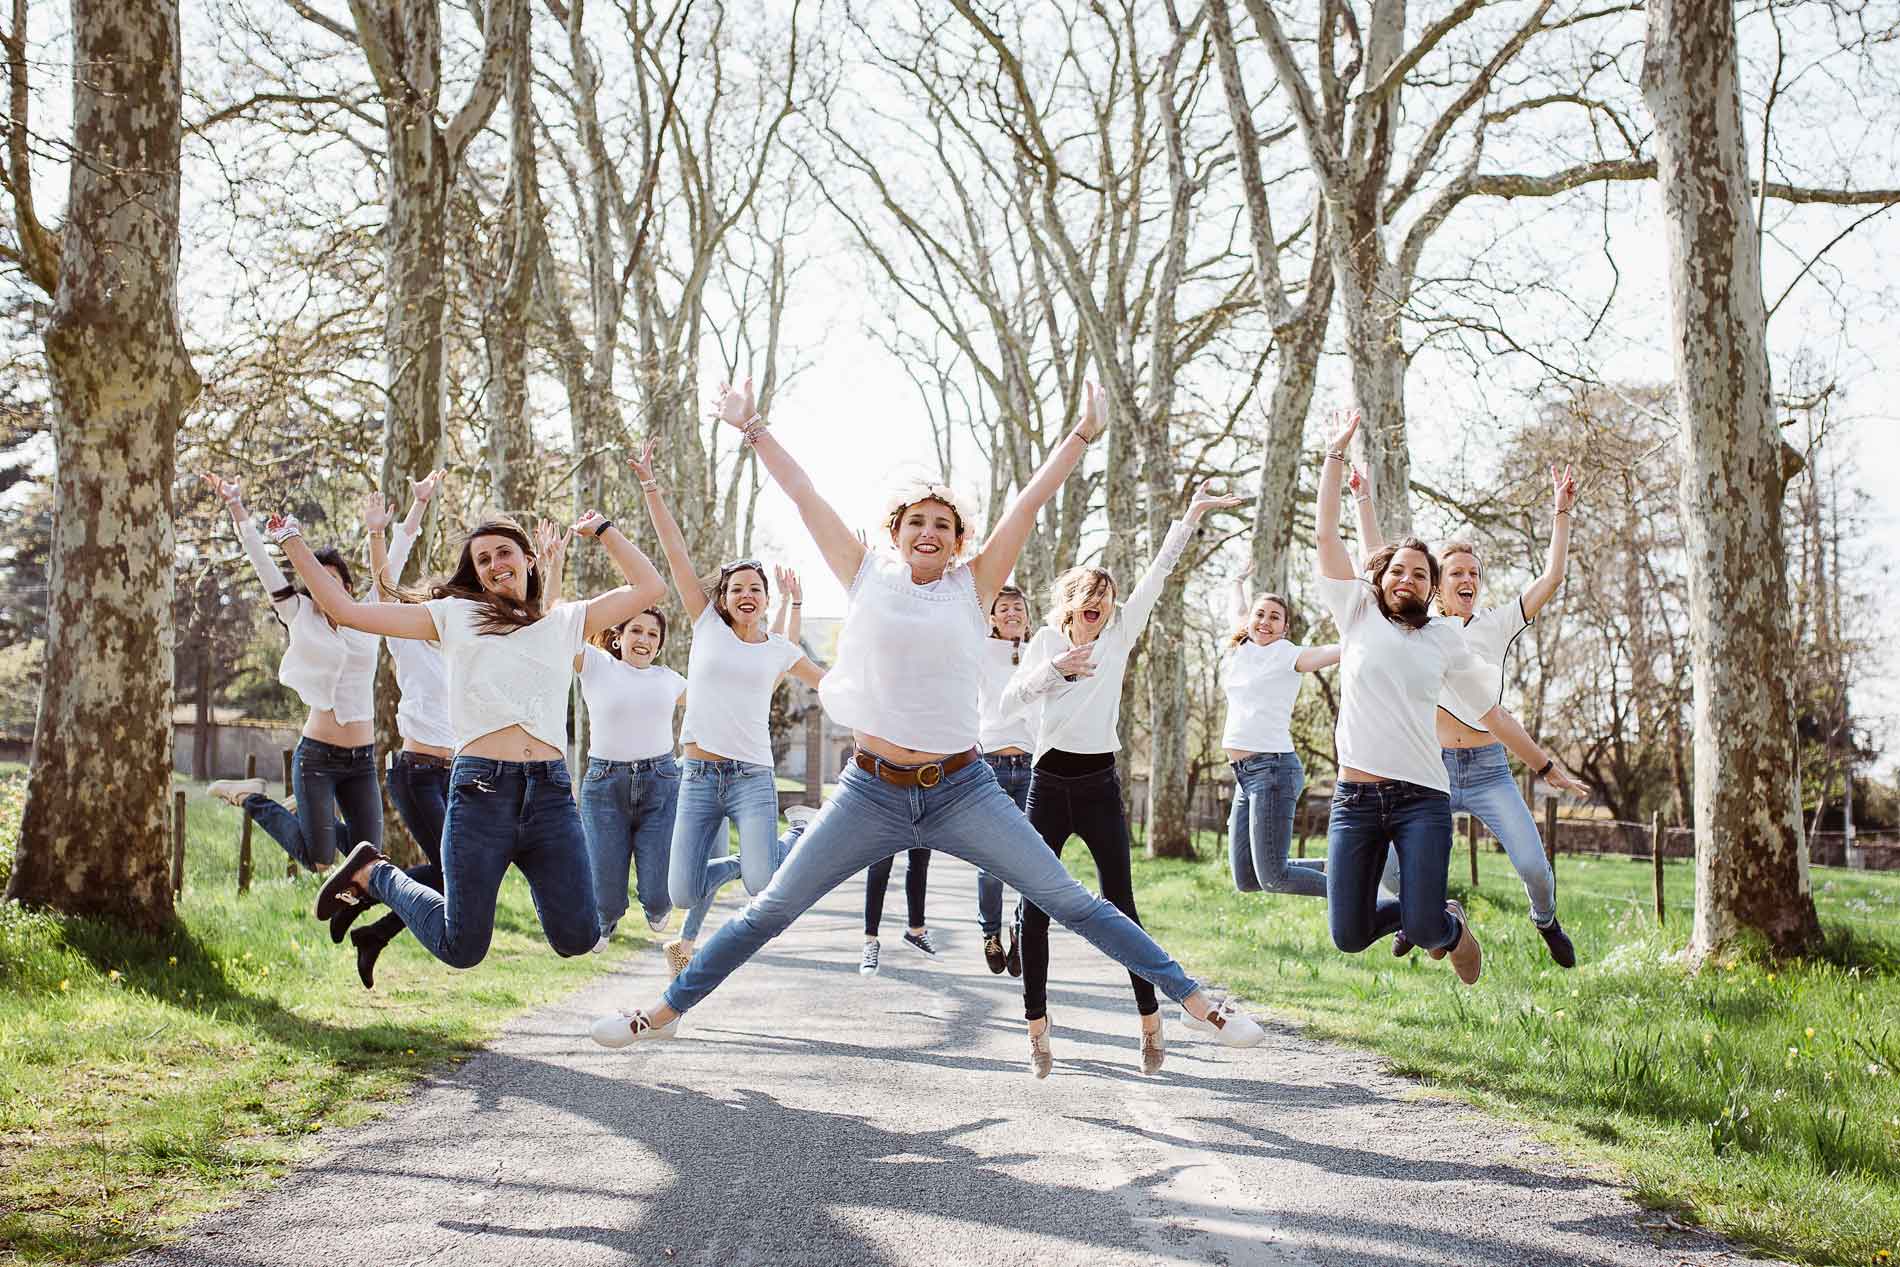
(800, 815)
(601, 945)
(623, 1029)
(1230, 1026)
(234, 791)
(867, 965)
(659, 925)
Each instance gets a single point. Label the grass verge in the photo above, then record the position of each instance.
(146, 1081)
(1760, 1101)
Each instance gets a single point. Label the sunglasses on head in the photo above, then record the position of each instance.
(741, 565)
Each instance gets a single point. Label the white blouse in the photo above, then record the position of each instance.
(909, 657)
(333, 668)
(629, 710)
(1262, 684)
(1085, 715)
(422, 708)
(1390, 678)
(502, 680)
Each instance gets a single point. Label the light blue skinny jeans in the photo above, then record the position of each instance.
(1267, 789)
(1482, 786)
(710, 793)
(967, 815)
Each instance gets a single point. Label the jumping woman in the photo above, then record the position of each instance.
(733, 667)
(632, 786)
(1005, 739)
(1072, 674)
(332, 668)
(1392, 791)
(1260, 674)
(1475, 729)
(511, 801)
(906, 683)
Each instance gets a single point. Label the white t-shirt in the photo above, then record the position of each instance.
(502, 680)
(1390, 679)
(729, 703)
(1085, 715)
(1261, 685)
(1489, 634)
(629, 710)
(996, 729)
(422, 708)
(909, 657)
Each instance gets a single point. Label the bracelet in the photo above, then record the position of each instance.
(1366, 498)
(377, 532)
(798, 604)
(650, 485)
(1561, 512)
(1548, 767)
(600, 533)
(752, 428)
(1335, 455)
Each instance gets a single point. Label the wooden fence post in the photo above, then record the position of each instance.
(1656, 861)
(244, 831)
(1550, 839)
(1471, 844)
(178, 843)
(290, 864)
(1301, 823)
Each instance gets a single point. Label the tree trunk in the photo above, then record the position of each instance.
(1751, 856)
(512, 474)
(96, 835)
(1377, 353)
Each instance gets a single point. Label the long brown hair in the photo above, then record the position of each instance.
(1244, 630)
(499, 614)
(608, 639)
(1375, 568)
(716, 592)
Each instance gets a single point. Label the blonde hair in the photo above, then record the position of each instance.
(1243, 631)
(911, 492)
(1074, 588)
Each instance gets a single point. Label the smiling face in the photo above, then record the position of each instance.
(1009, 617)
(927, 535)
(1458, 590)
(1267, 623)
(1083, 602)
(1406, 582)
(640, 640)
(502, 565)
(743, 596)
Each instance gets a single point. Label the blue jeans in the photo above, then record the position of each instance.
(420, 789)
(1267, 789)
(500, 812)
(328, 780)
(1012, 774)
(1482, 786)
(1366, 819)
(710, 793)
(967, 816)
(628, 809)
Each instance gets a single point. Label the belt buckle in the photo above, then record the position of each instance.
(930, 775)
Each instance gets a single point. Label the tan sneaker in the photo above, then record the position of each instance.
(678, 955)
(1041, 1059)
(1467, 957)
(1154, 1049)
(233, 791)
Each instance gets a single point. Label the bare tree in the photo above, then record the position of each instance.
(121, 379)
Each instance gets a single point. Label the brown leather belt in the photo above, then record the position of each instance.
(930, 774)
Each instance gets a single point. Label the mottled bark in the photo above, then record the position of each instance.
(96, 835)
(1751, 854)
(508, 293)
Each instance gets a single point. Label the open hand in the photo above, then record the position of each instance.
(734, 406)
(1075, 663)
(1355, 480)
(1094, 414)
(1206, 499)
(550, 541)
(377, 512)
(1563, 780)
(1345, 423)
(426, 487)
(231, 491)
(281, 528)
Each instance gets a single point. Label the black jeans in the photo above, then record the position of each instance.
(877, 877)
(328, 780)
(1089, 806)
(1415, 822)
(420, 789)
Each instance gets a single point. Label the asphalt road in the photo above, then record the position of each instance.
(810, 1116)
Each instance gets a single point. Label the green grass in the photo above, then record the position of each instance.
(144, 1081)
(1761, 1101)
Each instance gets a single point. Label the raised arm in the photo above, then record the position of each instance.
(643, 589)
(231, 492)
(790, 621)
(1237, 605)
(376, 517)
(1563, 495)
(1371, 539)
(404, 535)
(1334, 563)
(843, 552)
(992, 565)
(672, 540)
(1141, 600)
(392, 620)
(1313, 659)
(1514, 737)
(550, 547)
